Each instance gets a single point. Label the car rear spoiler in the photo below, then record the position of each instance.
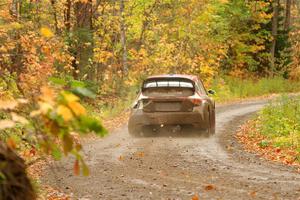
(168, 79)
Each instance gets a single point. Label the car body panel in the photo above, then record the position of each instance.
(187, 106)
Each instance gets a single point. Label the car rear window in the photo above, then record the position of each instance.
(160, 88)
(171, 83)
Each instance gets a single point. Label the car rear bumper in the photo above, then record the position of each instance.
(196, 118)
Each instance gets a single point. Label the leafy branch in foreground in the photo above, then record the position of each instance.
(53, 123)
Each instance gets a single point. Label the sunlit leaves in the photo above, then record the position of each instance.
(69, 97)
(46, 32)
(54, 123)
(77, 108)
(65, 112)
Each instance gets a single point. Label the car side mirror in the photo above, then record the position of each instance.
(211, 92)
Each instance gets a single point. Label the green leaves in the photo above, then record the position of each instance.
(280, 122)
(91, 124)
(84, 92)
(77, 87)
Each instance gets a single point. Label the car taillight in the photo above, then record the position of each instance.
(196, 102)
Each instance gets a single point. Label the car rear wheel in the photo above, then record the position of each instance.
(210, 130)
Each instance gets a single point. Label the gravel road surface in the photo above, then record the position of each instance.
(178, 166)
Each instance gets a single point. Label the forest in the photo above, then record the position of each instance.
(66, 66)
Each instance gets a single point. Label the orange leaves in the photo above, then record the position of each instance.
(140, 154)
(76, 167)
(195, 197)
(209, 187)
(121, 158)
(47, 94)
(84, 169)
(65, 112)
(77, 108)
(11, 143)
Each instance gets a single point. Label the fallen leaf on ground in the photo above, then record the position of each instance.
(209, 187)
(121, 158)
(76, 167)
(253, 194)
(195, 197)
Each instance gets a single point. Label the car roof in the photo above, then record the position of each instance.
(190, 77)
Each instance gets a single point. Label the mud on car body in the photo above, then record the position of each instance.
(175, 101)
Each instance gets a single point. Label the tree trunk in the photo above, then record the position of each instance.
(15, 9)
(123, 38)
(67, 15)
(287, 21)
(276, 5)
(83, 29)
(53, 4)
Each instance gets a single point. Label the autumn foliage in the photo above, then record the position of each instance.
(58, 55)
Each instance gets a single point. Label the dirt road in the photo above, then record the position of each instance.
(178, 167)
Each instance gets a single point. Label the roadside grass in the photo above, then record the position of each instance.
(275, 133)
(228, 88)
(279, 122)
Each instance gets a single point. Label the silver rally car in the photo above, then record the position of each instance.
(172, 101)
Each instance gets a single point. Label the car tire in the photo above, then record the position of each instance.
(210, 125)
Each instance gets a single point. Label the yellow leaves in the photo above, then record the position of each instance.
(46, 32)
(83, 1)
(69, 97)
(65, 112)
(73, 104)
(67, 107)
(16, 25)
(77, 108)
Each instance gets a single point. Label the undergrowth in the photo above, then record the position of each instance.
(229, 88)
(279, 122)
